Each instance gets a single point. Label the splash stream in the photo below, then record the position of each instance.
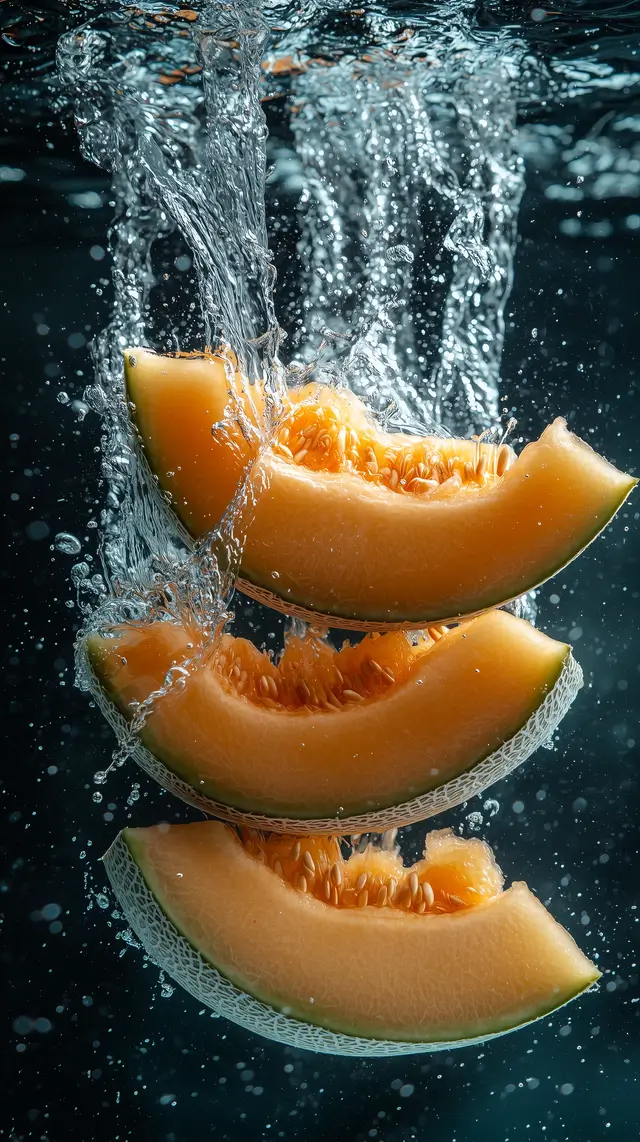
(403, 256)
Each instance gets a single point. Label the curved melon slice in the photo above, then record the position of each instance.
(377, 734)
(367, 529)
(350, 957)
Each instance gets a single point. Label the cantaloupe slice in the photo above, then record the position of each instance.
(386, 732)
(357, 957)
(368, 529)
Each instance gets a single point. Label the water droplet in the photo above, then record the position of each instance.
(400, 254)
(51, 911)
(38, 529)
(97, 797)
(166, 989)
(491, 806)
(100, 777)
(68, 544)
(80, 408)
(80, 571)
(63, 398)
(134, 794)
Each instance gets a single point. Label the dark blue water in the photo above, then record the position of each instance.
(98, 1048)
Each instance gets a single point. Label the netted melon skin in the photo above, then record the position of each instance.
(536, 731)
(175, 955)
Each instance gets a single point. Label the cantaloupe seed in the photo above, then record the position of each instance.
(312, 435)
(312, 675)
(454, 874)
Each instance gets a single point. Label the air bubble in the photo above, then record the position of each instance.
(80, 571)
(67, 544)
(166, 988)
(400, 254)
(80, 408)
(134, 794)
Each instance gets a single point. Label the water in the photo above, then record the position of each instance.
(432, 167)
(392, 213)
(421, 218)
(401, 145)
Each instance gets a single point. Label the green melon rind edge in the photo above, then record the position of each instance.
(536, 730)
(171, 951)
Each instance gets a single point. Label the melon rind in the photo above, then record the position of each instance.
(173, 953)
(537, 730)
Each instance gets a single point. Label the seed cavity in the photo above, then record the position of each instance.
(338, 881)
(312, 675)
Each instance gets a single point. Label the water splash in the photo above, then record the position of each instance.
(411, 185)
(189, 160)
(405, 250)
(402, 146)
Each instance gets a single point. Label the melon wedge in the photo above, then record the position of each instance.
(366, 529)
(281, 938)
(378, 734)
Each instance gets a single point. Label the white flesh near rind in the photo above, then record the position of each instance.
(537, 730)
(172, 952)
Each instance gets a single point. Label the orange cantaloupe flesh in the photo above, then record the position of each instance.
(423, 715)
(332, 535)
(375, 971)
(196, 393)
(453, 873)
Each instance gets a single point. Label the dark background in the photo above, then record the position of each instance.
(95, 1050)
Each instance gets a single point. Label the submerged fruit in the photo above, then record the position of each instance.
(362, 956)
(385, 732)
(366, 528)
